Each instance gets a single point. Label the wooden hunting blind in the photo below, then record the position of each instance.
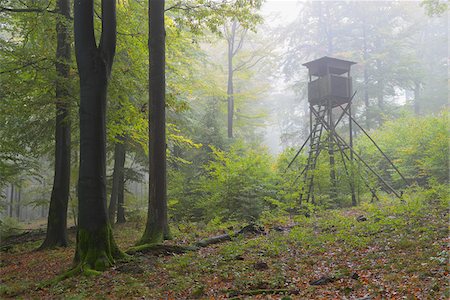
(330, 87)
(329, 80)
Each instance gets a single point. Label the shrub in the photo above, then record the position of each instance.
(237, 183)
(417, 145)
(9, 226)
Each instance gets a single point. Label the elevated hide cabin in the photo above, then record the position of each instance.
(329, 81)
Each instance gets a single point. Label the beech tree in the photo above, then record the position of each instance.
(57, 215)
(96, 248)
(117, 194)
(235, 40)
(156, 228)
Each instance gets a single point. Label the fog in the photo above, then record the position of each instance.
(400, 50)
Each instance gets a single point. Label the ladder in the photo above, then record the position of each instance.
(314, 151)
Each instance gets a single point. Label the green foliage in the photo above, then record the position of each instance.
(435, 7)
(9, 226)
(209, 14)
(418, 147)
(27, 87)
(234, 185)
(238, 183)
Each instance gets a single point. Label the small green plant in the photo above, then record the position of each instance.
(9, 226)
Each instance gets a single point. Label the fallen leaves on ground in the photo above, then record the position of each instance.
(396, 260)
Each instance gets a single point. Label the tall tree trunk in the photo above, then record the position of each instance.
(328, 31)
(121, 198)
(380, 93)
(57, 215)
(230, 90)
(417, 98)
(366, 73)
(18, 200)
(380, 86)
(118, 176)
(156, 229)
(380, 80)
(96, 248)
(11, 201)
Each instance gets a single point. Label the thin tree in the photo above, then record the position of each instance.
(57, 216)
(116, 202)
(96, 248)
(121, 192)
(11, 201)
(235, 41)
(157, 229)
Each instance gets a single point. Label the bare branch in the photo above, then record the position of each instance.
(27, 9)
(241, 42)
(246, 63)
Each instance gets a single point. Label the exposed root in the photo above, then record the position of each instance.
(160, 249)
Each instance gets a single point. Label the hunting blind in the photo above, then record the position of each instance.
(329, 79)
(329, 88)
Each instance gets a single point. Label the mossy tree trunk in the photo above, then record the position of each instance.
(156, 229)
(57, 215)
(95, 249)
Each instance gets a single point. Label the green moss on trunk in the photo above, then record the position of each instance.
(154, 235)
(96, 249)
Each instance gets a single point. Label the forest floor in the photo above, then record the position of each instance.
(387, 250)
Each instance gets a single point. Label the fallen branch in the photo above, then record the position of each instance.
(263, 291)
(251, 228)
(165, 249)
(25, 237)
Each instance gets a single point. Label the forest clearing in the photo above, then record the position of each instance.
(224, 149)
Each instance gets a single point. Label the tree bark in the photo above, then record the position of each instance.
(120, 197)
(380, 80)
(57, 216)
(18, 200)
(11, 201)
(96, 248)
(230, 87)
(366, 73)
(417, 98)
(118, 177)
(380, 85)
(230, 97)
(157, 229)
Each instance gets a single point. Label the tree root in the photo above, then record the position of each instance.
(160, 249)
(165, 249)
